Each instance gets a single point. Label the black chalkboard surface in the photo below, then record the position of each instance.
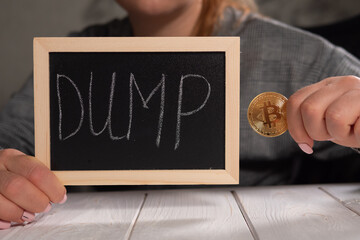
(124, 111)
(113, 113)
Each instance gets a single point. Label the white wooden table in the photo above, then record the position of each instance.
(288, 212)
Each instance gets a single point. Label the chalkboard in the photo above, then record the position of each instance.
(124, 111)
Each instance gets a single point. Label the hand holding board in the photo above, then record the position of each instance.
(138, 110)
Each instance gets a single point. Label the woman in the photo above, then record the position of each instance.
(318, 76)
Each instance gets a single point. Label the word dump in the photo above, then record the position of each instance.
(133, 89)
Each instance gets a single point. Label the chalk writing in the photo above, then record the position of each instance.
(60, 109)
(162, 103)
(132, 82)
(179, 113)
(108, 119)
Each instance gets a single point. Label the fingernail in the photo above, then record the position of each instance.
(47, 209)
(64, 199)
(28, 216)
(306, 148)
(331, 139)
(4, 225)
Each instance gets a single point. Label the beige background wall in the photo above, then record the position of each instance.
(21, 20)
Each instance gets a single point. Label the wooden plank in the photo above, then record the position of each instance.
(348, 195)
(101, 215)
(297, 212)
(191, 214)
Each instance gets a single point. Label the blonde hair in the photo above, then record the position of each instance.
(212, 12)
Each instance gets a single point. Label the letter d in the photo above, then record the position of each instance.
(61, 137)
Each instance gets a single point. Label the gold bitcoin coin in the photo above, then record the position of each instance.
(267, 114)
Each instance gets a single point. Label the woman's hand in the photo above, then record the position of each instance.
(26, 187)
(326, 111)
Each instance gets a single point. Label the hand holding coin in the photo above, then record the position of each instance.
(325, 111)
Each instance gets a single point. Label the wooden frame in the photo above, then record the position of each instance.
(229, 45)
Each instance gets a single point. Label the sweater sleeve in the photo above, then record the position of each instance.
(341, 63)
(17, 120)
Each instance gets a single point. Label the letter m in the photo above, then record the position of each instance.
(146, 101)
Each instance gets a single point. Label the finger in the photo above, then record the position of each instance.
(4, 225)
(9, 211)
(341, 117)
(294, 117)
(38, 174)
(22, 192)
(313, 110)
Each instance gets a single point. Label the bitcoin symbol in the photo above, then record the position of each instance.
(267, 114)
(271, 114)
